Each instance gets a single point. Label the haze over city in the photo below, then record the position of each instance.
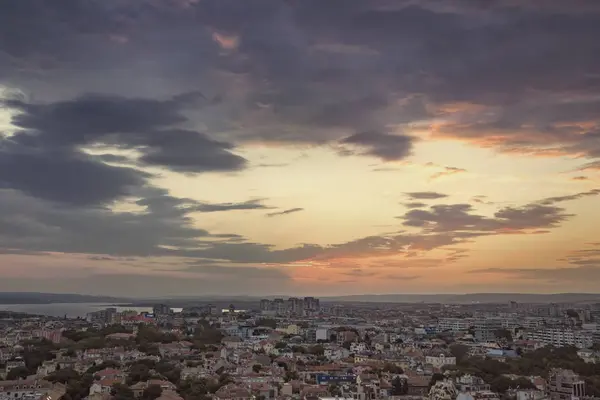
(196, 147)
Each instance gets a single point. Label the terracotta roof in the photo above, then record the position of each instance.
(109, 382)
(108, 372)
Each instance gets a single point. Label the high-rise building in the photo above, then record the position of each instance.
(311, 304)
(279, 306)
(295, 305)
(266, 305)
(161, 309)
(486, 328)
(106, 316)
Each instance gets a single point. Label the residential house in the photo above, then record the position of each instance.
(104, 386)
(335, 353)
(232, 392)
(358, 347)
(25, 388)
(232, 342)
(439, 357)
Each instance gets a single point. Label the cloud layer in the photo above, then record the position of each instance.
(112, 113)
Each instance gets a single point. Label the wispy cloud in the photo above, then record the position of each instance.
(285, 212)
(447, 171)
(426, 195)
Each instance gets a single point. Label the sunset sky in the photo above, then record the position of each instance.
(299, 147)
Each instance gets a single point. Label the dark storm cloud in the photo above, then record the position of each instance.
(460, 217)
(45, 157)
(33, 224)
(182, 206)
(65, 176)
(381, 145)
(129, 123)
(530, 218)
(305, 71)
(285, 212)
(426, 195)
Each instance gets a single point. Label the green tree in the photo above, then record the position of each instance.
(399, 386)
(501, 384)
(334, 390)
(193, 389)
(138, 373)
(256, 368)
(269, 322)
(317, 350)
(392, 368)
(460, 351)
(78, 389)
(121, 391)
(504, 334)
(169, 371)
(290, 376)
(63, 376)
(435, 378)
(103, 365)
(17, 373)
(152, 392)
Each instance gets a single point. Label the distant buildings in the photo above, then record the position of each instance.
(293, 306)
(106, 316)
(453, 324)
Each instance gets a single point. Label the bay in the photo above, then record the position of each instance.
(71, 310)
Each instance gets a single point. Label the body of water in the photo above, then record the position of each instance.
(71, 310)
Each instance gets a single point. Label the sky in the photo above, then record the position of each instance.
(299, 147)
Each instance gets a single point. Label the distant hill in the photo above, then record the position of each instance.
(49, 298)
(470, 298)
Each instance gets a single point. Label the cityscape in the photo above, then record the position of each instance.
(306, 348)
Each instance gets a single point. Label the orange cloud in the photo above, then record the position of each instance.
(227, 42)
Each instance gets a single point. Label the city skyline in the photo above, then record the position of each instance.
(308, 148)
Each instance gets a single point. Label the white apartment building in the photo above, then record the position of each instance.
(532, 322)
(486, 328)
(560, 337)
(438, 360)
(454, 324)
